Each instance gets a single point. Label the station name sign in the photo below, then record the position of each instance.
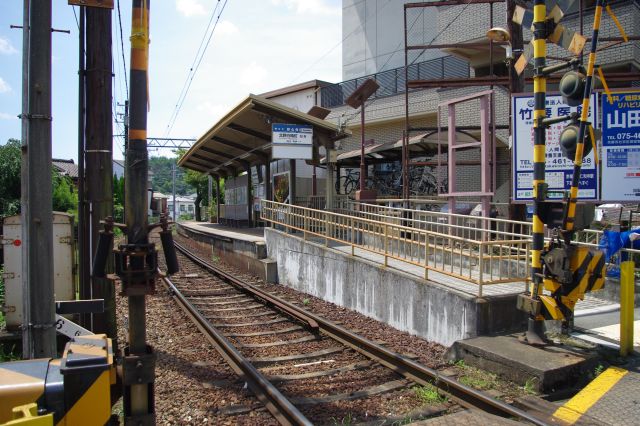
(292, 141)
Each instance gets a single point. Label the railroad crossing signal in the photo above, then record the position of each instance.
(556, 33)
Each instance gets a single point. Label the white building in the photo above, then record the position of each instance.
(185, 206)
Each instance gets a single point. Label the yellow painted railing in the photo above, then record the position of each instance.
(393, 239)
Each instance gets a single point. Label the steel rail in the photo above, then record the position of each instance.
(464, 395)
(277, 404)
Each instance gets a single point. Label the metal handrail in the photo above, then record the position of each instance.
(476, 261)
(392, 81)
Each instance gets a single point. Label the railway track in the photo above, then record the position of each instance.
(297, 363)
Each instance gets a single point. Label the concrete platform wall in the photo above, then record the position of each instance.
(248, 256)
(404, 301)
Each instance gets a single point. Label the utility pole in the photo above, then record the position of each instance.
(142, 257)
(98, 153)
(39, 323)
(84, 253)
(516, 85)
(24, 199)
(173, 173)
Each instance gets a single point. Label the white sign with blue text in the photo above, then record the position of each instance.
(621, 146)
(558, 169)
(293, 141)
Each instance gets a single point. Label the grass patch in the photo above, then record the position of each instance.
(430, 394)
(530, 386)
(8, 354)
(476, 378)
(306, 301)
(345, 421)
(599, 369)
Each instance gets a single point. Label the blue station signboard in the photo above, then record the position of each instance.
(621, 146)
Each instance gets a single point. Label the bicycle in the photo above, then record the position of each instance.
(351, 182)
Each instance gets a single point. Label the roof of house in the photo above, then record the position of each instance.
(65, 167)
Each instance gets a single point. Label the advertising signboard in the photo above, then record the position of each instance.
(559, 170)
(293, 141)
(621, 146)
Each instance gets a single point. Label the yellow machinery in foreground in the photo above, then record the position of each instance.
(72, 390)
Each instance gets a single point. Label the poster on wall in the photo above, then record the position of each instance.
(559, 170)
(621, 146)
(281, 187)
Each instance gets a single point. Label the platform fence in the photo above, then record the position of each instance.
(476, 227)
(424, 213)
(454, 255)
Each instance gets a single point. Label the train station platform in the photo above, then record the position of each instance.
(612, 398)
(244, 248)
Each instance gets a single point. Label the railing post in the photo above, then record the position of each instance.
(426, 256)
(353, 237)
(386, 244)
(326, 229)
(626, 307)
(305, 225)
(481, 271)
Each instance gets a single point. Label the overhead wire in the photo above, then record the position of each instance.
(194, 68)
(186, 80)
(124, 62)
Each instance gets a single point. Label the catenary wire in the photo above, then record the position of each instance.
(186, 80)
(124, 62)
(194, 70)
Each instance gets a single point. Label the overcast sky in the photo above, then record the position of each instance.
(258, 45)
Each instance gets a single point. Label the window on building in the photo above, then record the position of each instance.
(182, 208)
(191, 207)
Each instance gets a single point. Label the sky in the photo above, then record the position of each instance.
(257, 46)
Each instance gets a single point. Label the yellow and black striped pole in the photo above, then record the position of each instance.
(138, 393)
(535, 332)
(569, 219)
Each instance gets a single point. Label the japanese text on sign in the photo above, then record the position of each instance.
(621, 147)
(559, 170)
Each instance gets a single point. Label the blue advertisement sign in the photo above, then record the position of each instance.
(621, 146)
(558, 170)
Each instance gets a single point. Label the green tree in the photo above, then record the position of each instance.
(64, 200)
(198, 181)
(10, 159)
(63, 197)
(118, 198)
(162, 176)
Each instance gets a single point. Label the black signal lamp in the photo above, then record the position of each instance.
(572, 88)
(569, 141)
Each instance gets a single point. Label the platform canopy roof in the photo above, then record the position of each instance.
(242, 138)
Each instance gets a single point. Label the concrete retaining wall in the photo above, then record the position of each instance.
(406, 302)
(249, 256)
